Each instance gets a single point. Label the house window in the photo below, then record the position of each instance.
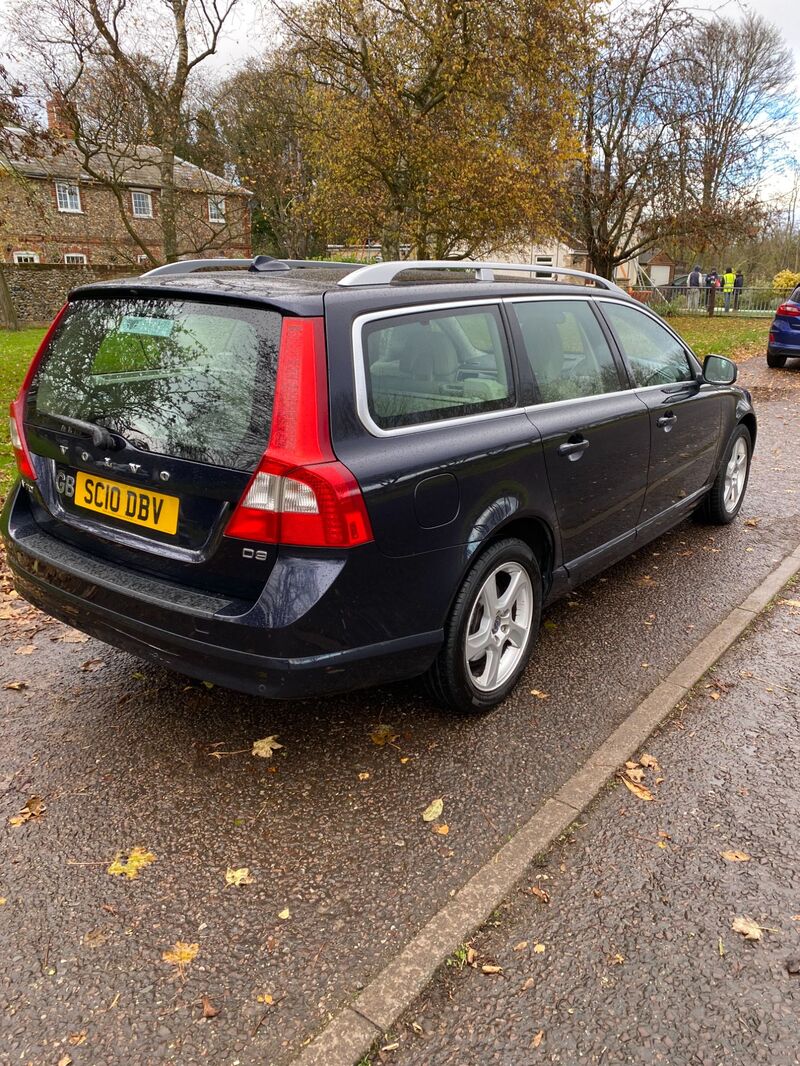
(75, 259)
(142, 258)
(216, 209)
(68, 197)
(142, 203)
(544, 260)
(26, 257)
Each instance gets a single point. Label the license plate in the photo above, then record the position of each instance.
(138, 506)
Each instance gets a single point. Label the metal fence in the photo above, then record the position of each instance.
(678, 300)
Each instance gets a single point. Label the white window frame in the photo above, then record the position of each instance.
(216, 210)
(142, 258)
(149, 195)
(75, 259)
(64, 204)
(25, 257)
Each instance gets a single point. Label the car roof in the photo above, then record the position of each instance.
(305, 291)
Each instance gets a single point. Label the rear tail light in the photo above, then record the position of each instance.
(300, 494)
(17, 411)
(790, 310)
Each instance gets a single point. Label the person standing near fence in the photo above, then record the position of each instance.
(728, 281)
(738, 285)
(712, 284)
(694, 282)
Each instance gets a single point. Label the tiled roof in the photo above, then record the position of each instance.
(136, 166)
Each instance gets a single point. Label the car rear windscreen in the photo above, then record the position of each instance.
(177, 377)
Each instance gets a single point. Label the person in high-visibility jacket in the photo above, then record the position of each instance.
(728, 283)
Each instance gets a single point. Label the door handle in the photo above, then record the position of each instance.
(668, 420)
(573, 448)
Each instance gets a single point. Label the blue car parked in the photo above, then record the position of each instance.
(784, 333)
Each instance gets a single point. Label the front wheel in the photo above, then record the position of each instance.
(491, 629)
(775, 361)
(725, 499)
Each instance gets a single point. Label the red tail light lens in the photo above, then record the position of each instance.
(300, 494)
(17, 410)
(791, 310)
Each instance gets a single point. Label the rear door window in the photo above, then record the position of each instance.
(433, 365)
(175, 377)
(654, 354)
(567, 350)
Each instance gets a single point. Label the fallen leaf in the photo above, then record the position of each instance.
(631, 764)
(364, 776)
(239, 876)
(3, 901)
(735, 856)
(650, 762)
(433, 811)
(181, 955)
(91, 665)
(442, 830)
(16, 686)
(713, 695)
(25, 649)
(472, 955)
(538, 949)
(72, 636)
(208, 684)
(521, 945)
(642, 791)
(265, 998)
(65, 1060)
(209, 1010)
(751, 522)
(538, 1038)
(616, 959)
(391, 1047)
(405, 758)
(285, 914)
(264, 748)
(490, 968)
(635, 773)
(34, 808)
(749, 929)
(539, 694)
(721, 948)
(136, 860)
(528, 984)
(76, 1039)
(789, 603)
(382, 735)
(541, 895)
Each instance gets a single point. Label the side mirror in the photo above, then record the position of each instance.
(719, 371)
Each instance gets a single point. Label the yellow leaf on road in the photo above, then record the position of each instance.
(539, 694)
(264, 748)
(538, 1038)
(735, 856)
(789, 603)
(181, 955)
(538, 949)
(285, 914)
(442, 830)
(34, 808)
(382, 735)
(363, 776)
(749, 929)
(130, 866)
(433, 811)
(650, 762)
(642, 791)
(238, 876)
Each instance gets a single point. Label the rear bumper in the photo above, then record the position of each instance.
(201, 635)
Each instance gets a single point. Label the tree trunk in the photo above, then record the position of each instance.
(7, 309)
(168, 201)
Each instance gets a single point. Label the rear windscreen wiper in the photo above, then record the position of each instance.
(101, 437)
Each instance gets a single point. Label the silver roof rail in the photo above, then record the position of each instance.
(385, 273)
(189, 266)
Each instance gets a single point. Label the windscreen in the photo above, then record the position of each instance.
(176, 377)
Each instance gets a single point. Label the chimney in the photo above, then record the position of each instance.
(57, 117)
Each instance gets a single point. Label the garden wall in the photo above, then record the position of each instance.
(38, 290)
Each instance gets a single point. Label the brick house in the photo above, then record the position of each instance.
(52, 211)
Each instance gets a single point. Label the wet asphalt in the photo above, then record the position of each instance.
(634, 959)
(344, 870)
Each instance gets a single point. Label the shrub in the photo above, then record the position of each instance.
(784, 282)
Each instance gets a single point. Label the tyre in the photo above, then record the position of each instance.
(722, 504)
(774, 360)
(491, 630)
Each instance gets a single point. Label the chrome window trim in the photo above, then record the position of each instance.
(359, 359)
(362, 402)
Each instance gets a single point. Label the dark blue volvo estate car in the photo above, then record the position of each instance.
(292, 479)
(784, 333)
